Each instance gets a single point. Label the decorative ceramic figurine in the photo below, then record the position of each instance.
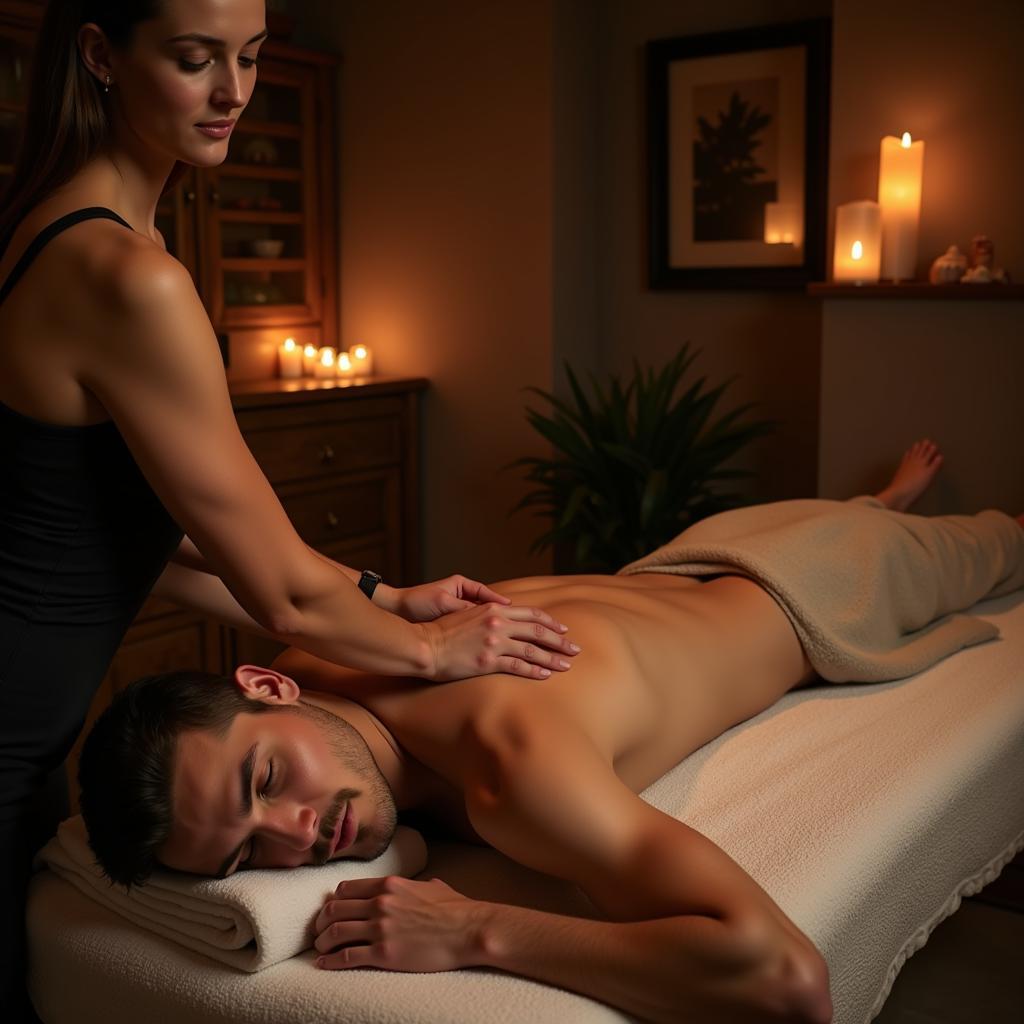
(949, 267)
(983, 271)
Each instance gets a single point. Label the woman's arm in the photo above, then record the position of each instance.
(153, 362)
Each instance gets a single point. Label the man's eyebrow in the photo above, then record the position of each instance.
(245, 779)
(197, 37)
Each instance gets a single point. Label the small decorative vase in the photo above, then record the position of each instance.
(949, 267)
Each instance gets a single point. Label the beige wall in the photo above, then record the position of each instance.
(893, 371)
(446, 238)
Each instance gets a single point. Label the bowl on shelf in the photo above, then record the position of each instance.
(267, 248)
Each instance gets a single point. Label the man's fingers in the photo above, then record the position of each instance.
(353, 956)
(341, 910)
(361, 888)
(344, 933)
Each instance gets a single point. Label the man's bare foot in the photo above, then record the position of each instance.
(911, 479)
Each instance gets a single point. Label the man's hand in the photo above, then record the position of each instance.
(430, 601)
(396, 924)
(497, 638)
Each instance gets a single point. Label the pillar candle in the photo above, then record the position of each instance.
(289, 360)
(857, 248)
(345, 366)
(900, 170)
(310, 355)
(362, 360)
(325, 369)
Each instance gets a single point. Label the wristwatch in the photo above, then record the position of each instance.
(368, 582)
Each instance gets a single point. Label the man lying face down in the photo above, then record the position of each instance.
(213, 775)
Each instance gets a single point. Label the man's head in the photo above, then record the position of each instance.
(209, 774)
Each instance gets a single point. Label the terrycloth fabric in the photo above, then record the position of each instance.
(866, 812)
(250, 920)
(873, 594)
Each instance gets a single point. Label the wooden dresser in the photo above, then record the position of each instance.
(343, 460)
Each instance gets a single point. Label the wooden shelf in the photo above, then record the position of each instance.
(916, 290)
(250, 265)
(255, 392)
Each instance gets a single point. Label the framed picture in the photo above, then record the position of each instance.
(738, 150)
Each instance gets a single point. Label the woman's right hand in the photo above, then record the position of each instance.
(498, 638)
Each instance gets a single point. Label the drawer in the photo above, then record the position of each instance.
(325, 448)
(350, 508)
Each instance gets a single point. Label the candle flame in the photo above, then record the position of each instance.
(359, 351)
(857, 250)
(787, 237)
(773, 238)
(310, 351)
(344, 362)
(289, 344)
(327, 357)
(905, 141)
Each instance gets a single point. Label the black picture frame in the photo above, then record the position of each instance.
(703, 221)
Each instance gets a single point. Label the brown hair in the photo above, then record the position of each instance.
(66, 122)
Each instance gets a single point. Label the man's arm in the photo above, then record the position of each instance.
(690, 932)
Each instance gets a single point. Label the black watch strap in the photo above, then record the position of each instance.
(368, 582)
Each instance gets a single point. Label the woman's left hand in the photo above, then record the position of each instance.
(397, 924)
(430, 601)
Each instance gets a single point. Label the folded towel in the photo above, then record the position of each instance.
(872, 593)
(250, 920)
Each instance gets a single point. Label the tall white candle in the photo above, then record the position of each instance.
(900, 169)
(362, 360)
(289, 360)
(325, 368)
(855, 256)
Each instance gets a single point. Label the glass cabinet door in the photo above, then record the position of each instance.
(258, 212)
(15, 57)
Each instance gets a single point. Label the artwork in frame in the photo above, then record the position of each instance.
(738, 151)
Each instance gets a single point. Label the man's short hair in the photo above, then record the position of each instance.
(126, 770)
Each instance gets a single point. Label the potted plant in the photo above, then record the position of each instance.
(633, 464)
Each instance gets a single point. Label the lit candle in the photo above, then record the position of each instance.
(858, 246)
(899, 194)
(346, 368)
(362, 360)
(289, 360)
(782, 224)
(325, 369)
(310, 355)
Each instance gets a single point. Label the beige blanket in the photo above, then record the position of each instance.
(873, 594)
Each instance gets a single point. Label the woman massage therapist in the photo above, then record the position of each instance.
(119, 450)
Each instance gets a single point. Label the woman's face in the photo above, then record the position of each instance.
(188, 75)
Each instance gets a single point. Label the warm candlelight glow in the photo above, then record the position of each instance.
(858, 243)
(783, 224)
(289, 360)
(345, 365)
(310, 355)
(325, 364)
(362, 360)
(900, 170)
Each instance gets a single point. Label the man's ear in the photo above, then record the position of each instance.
(266, 685)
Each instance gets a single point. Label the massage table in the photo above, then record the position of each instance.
(866, 811)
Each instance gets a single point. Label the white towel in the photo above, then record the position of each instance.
(250, 920)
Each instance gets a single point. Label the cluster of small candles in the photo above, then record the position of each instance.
(327, 363)
(879, 239)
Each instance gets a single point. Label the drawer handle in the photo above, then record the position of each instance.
(332, 520)
(326, 453)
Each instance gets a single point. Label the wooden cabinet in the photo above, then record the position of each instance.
(257, 233)
(343, 460)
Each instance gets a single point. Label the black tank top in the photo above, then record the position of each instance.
(83, 538)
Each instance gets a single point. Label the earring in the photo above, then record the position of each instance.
(106, 88)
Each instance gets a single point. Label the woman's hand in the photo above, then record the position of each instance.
(430, 601)
(396, 924)
(497, 638)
